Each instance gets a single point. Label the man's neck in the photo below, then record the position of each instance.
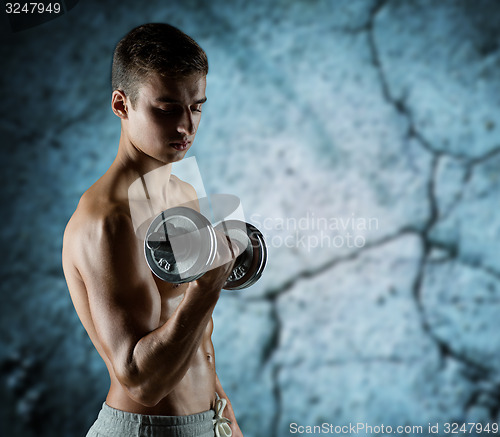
(146, 181)
(131, 158)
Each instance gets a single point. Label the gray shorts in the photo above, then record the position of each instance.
(116, 423)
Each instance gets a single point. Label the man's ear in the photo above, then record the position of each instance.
(119, 104)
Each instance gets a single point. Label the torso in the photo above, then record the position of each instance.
(195, 392)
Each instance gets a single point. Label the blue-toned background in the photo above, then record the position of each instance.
(363, 138)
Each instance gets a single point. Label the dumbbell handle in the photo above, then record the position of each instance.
(159, 241)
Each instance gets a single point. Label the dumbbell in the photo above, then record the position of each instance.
(181, 244)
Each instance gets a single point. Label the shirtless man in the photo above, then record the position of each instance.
(155, 337)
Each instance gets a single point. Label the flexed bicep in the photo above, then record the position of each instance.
(123, 298)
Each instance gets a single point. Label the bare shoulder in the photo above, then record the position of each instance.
(184, 191)
(96, 222)
(103, 257)
(183, 187)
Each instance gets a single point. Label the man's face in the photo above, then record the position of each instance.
(166, 116)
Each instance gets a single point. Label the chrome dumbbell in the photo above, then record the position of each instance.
(181, 245)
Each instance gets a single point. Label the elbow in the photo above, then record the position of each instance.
(142, 389)
(143, 396)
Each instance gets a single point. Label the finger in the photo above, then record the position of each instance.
(227, 249)
(235, 248)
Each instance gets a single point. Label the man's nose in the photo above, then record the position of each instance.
(186, 124)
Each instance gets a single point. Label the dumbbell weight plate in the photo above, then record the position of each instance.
(180, 245)
(251, 262)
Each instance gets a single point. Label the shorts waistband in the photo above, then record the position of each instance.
(200, 424)
(157, 420)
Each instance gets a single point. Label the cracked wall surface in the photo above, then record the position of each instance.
(363, 139)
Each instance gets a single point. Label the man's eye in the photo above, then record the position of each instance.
(167, 111)
(174, 111)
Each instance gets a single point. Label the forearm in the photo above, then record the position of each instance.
(160, 359)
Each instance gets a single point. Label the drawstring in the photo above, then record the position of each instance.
(221, 424)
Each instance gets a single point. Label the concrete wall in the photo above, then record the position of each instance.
(363, 138)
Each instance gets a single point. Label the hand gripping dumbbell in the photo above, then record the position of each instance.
(181, 245)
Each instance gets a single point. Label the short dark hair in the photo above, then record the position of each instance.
(155, 48)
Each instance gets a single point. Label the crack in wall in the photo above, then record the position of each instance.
(479, 371)
(272, 296)
(400, 105)
(277, 291)
(275, 368)
(469, 165)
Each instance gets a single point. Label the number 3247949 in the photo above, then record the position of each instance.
(470, 427)
(32, 8)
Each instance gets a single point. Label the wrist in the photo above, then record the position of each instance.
(203, 291)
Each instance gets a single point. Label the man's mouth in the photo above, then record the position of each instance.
(180, 145)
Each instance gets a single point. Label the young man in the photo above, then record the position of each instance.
(154, 337)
